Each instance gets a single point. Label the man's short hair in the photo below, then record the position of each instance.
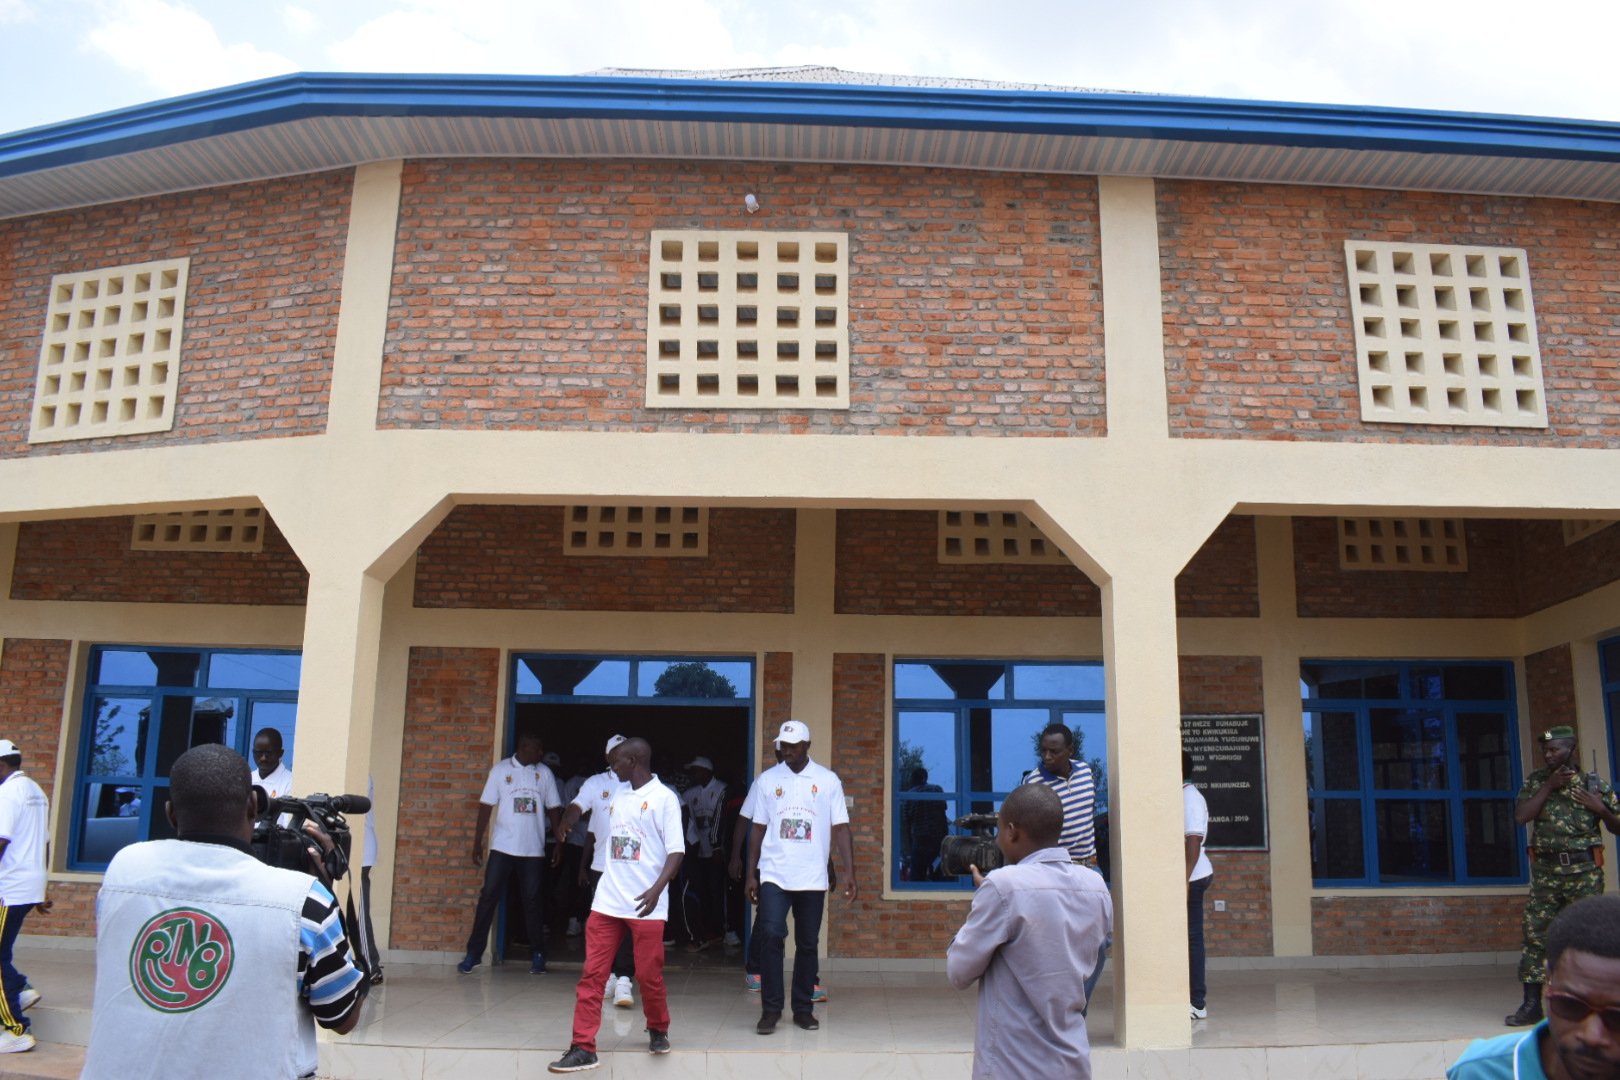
(272, 734)
(1057, 727)
(919, 775)
(1037, 810)
(208, 786)
(1590, 925)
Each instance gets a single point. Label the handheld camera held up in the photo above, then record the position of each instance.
(279, 838)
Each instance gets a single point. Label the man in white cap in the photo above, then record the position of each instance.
(705, 858)
(594, 797)
(24, 816)
(801, 813)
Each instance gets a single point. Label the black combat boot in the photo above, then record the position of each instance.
(1530, 1011)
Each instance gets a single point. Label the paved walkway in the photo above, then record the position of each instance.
(500, 1023)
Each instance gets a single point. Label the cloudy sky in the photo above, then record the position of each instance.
(64, 59)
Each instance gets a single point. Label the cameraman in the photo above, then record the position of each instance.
(209, 962)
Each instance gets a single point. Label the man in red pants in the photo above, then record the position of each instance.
(645, 845)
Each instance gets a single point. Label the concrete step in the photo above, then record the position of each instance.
(46, 1061)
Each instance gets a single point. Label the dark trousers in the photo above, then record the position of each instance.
(11, 920)
(774, 905)
(497, 872)
(367, 945)
(567, 897)
(1195, 940)
(706, 897)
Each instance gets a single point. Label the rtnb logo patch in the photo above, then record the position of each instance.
(181, 958)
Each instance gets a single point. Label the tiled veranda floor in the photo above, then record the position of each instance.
(1287, 1023)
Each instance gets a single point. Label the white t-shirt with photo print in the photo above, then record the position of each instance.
(643, 829)
(798, 811)
(521, 795)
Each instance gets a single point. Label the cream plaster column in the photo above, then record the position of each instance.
(1593, 725)
(815, 641)
(387, 740)
(368, 268)
(1288, 827)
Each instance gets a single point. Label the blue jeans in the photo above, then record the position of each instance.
(497, 870)
(807, 906)
(1195, 940)
(11, 920)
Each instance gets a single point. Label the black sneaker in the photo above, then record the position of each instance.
(657, 1042)
(767, 1022)
(578, 1059)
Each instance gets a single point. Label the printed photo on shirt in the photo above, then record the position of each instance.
(524, 804)
(797, 829)
(627, 848)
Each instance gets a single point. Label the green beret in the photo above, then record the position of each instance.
(1562, 731)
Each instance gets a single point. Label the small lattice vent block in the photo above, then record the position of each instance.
(1445, 335)
(110, 359)
(1578, 529)
(756, 320)
(229, 529)
(1431, 544)
(631, 531)
(993, 536)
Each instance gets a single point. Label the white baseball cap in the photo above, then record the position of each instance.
(793, 731)
(700, 763)
(7, 748)
(615, 741)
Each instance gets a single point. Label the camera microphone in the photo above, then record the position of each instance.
(350, 804)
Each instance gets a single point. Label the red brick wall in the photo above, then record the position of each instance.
(261, 303)
(1385, 925)
(1549, 678)
(90, 559)
(888, 564)
(1487, 590)
(1551, 571)
(777, 706)
(450, 711)
(1213, 685)
(1258, 339)
(512, 557)
(875, 927)
(519, 295)
(33, 687)
(1223, 579)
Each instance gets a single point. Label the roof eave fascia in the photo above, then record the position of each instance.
(1123, 116)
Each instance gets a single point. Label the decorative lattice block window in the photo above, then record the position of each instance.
(1578, 529)
(230, 529)
(748, 319)
(110, 361)
(993, 536)
(1445, 335)
(1402, 544)
(636, 530)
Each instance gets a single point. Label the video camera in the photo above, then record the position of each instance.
(279, 838)
(959, 854)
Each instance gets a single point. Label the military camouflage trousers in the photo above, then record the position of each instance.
(1551, 893)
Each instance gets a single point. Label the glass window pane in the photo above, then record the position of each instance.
(1408, 750)
(281, 715)
(109, 823)
(565, 675)
(1331, 747)
(1414, 840)
(255, 671)
(926, 740)
(1490, 838)
(1609, 652)
(1427, 683)
(1001, 746)
(609, 678)
(158, 827)
(1337, 850)
(973, 682)
(923, 824)
(694, 678)
(1356, 680)
(913, 680)
(1484, 751)
(1476, 682)
(118, 736)
(123, 667)
(185, 721)
(1058, 682)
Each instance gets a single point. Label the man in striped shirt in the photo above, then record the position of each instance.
(1072, 780)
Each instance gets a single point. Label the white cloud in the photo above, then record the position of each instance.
(177, 50)
(300, 21)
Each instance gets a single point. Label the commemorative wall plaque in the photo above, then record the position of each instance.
(1229, 767)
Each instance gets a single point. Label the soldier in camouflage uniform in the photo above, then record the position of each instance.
(1569, 809)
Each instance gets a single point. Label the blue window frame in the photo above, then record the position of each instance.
(971, 725)
(1609, 671)
(144, 707)
(1413, 769)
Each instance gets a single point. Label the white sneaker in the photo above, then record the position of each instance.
(612, 986)
(15, 1044)
(27, 998)
(624, 997)
(1197, 1013)
(574, 928)
(732, 939)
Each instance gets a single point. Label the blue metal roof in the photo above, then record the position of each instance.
(301, 123)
